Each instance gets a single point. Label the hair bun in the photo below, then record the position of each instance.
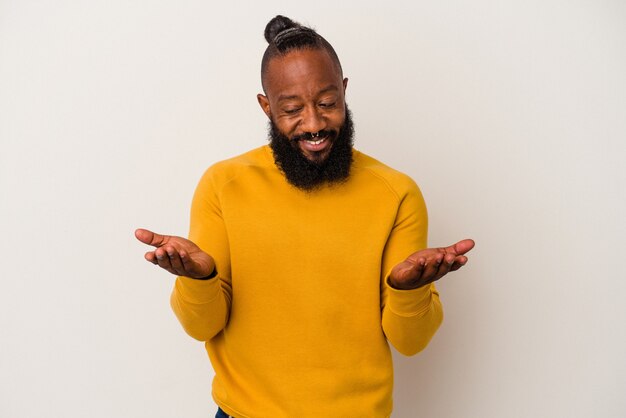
(278, 25)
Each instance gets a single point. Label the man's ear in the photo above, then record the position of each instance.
(265, 104)
(345, 85)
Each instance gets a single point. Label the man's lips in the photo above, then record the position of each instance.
(314, 145)
(307, 136)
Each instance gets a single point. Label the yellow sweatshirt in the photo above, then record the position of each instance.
(297, 321)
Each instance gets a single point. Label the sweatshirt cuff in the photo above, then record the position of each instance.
(408, 302)
(197, 291)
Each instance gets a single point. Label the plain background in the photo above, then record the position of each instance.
(511, 115)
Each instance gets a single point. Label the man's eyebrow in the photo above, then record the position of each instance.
(326, 89)
(286, 97)
(331, 87)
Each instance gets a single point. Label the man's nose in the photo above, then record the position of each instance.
(312, 121)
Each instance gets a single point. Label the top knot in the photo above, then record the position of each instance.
(278, 25)
(284, 35)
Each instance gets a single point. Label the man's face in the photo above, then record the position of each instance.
(306, 101)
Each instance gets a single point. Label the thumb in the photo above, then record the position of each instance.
(150, 238)
(461, 247)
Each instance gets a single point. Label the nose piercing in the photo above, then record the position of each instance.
(315, 135)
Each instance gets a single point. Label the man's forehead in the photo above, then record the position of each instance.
(299, 68)
(331, 88)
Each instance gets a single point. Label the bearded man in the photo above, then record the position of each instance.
(305, 258)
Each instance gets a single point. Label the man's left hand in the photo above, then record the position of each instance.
(429, 265)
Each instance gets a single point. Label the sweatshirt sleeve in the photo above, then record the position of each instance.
(410, 318)
(203, 306)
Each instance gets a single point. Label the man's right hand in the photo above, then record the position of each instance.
(177, 255)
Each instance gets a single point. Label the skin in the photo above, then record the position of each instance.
(305, 94)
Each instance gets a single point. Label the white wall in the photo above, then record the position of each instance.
(510, 115)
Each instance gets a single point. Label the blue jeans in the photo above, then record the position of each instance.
(221, 414)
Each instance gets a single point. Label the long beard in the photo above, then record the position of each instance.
(309, 175)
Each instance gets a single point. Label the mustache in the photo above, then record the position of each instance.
(319, 135)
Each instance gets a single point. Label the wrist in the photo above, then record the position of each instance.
(404, 286)
(209, 277)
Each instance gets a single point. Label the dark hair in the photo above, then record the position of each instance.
(284, 35)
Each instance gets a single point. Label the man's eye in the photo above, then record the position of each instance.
(292, 111)
(327, 105)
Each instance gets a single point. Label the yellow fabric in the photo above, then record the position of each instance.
(297, 321)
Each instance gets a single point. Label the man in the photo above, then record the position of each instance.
(305, 257)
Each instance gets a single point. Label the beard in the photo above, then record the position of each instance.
(309, 175)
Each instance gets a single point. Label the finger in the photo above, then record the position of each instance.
(449, 259)
(163, 259)
(150, 238)
(459, 262)
(461, 247)
(186, 261)
(175, 261)
(444, 268)
(151, 257)
(432, 267)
